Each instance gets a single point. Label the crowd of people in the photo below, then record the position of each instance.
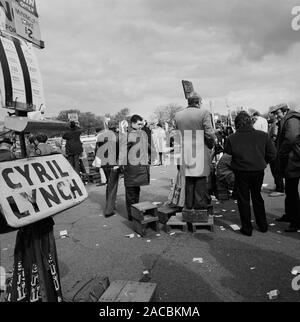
(241, 152)
(236, 154)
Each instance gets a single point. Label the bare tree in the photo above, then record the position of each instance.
(166, 114)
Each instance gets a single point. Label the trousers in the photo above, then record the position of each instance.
(132, 197)
(250, 182)
(292, 201)
(278, 179)
(196, 193)
(74, 161)
(112, 183)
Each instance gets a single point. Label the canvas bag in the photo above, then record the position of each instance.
(177, 191)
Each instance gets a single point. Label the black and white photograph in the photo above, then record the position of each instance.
(149, 153)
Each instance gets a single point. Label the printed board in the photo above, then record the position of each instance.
(36, 188)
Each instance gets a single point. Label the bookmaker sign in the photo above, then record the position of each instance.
(28, 5)
(20, 81)
(34, 189)
(20, 18)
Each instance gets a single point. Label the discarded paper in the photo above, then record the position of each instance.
(130, 236)
(235, 227)
(199, 260)
(63, 234)
(273, 295)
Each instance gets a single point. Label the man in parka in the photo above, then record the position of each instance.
(136, 168)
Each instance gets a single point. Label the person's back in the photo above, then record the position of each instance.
(196, 128)
(73, 143)
(45, 149)
(250, 149)
(191, 118)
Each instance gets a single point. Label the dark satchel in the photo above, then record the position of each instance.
(88, 290)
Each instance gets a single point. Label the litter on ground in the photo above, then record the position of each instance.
(63, 234)
(273, 295)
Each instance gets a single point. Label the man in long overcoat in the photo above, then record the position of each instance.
(197, 134)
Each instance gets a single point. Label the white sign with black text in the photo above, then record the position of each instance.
(34, 189)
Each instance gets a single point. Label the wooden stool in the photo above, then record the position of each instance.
(176, 223)
(197, 215)
(197, 226)
(142, 209)
(141, 226)
(165, 213)
(127, 291)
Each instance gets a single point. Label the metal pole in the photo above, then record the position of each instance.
(22, 136)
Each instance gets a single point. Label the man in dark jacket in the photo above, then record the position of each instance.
(289, 160)
(73, 146)
(251, 150)
(136, 168)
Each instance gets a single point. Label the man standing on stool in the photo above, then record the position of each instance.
(134, 149)
(196, 128)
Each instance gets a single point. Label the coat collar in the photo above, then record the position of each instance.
(246, 129)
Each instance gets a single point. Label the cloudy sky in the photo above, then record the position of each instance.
(104, 55)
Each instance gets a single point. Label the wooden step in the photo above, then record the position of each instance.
(176, 224)
(142, 227)
(128, 291)
(198, 227)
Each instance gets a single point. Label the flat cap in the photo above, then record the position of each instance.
(283, 106)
